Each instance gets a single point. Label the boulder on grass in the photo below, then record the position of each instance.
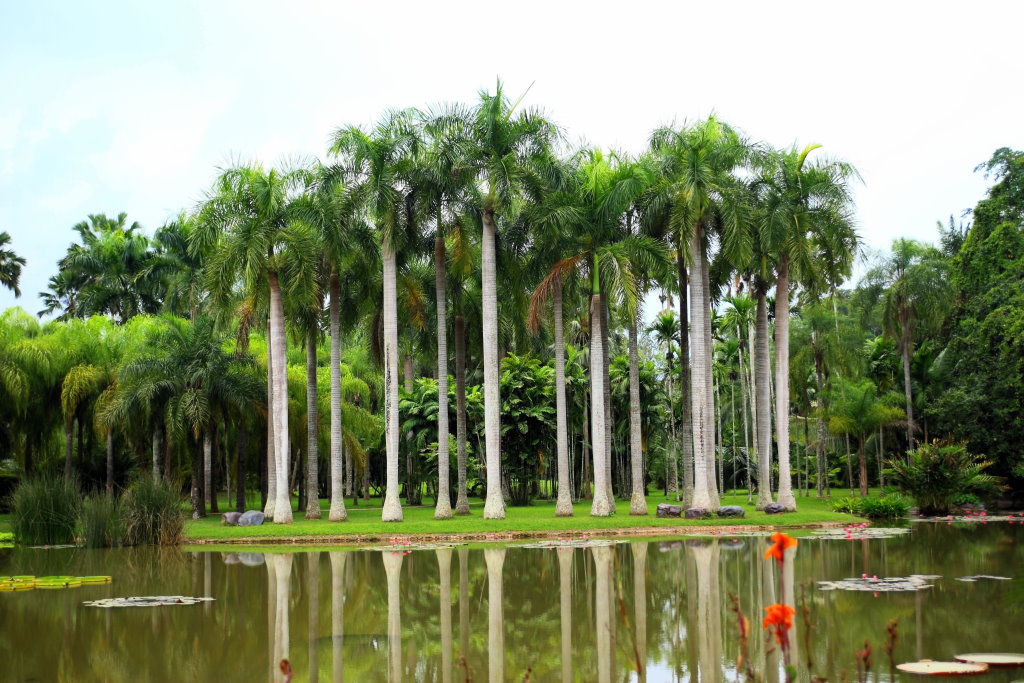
(697, 513)
(773, 509)
(230, 518)
(251, 518)
(665, 510)
(731, 511)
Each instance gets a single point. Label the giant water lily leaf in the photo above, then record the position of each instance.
(572, 543)
(890, 584)
(974, 578)
(857, 533)
(927, 667)
(147, 601)
(993, 658)
(409, 546)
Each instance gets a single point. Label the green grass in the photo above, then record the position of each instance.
(365, 520)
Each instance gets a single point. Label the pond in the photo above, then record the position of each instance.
(500, 613)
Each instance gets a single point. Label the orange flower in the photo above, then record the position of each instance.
(779, 621)
(780, 542)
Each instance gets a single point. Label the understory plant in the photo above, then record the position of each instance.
(937, 473)
(44, 511)
(152, 513)
(888, 506)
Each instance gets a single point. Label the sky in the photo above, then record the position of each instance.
(133, 106)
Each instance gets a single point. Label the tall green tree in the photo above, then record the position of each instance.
(857, 409)
(10, 265)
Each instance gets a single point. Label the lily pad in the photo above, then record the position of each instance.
(858, 533)
(974, 578)
(572, 543)
(404, 547)
(147, 601)
(993, 658)
(927, 667)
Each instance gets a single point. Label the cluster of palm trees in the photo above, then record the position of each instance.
(510, 219)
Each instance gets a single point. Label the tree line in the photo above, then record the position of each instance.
(269, 323)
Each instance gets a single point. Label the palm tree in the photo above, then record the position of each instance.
(376, 163)
(665, 329)
(916, 294)
(858, 410)
(10, 265)
(705, 201)
(504, 148)
(802, 204)
(250, 227)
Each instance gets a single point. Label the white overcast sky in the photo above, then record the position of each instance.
(131, 106)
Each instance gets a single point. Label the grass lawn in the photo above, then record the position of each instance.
(365, 521)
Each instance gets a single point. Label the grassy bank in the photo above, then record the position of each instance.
(364, 522)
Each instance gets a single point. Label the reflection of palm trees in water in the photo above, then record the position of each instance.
(337, 613)
(444, 566)
(313, 579)
(279, 575)
(640, 605)
(495, 559)
(602, 609)
(565, 583)
(393, 569)
(709, 615)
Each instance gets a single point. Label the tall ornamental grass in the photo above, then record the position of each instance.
(102, 521)
(152, 514)
(44, 511)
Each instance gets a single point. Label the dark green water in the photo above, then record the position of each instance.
(494, 614)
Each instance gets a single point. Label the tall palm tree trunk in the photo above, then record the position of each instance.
(392, 511)
(443, 507)
(156, 455)
(684, 377)
(563, 506)
(412, 486)
(494, 506)
(906, 342)
(602, 505)
(709, 391)
(762, 422)
(700, 375)
(862, 461)
(69, 439)
(312, 440)
(338, 512)
(495, 559)
(637, 502)
(241, 437)
(786, 498)
(110, 460)
(819, 446)
(207, 467)
(462, 495)
(268, 508)
(608, 439)
(283, 502)
(672, 468)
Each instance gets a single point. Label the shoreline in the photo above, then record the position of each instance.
(509, 535)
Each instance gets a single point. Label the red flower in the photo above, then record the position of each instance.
(780, 542)
(779, 620)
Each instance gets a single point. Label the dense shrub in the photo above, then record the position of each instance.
(44, 511)
(888, 506)
(937, 473)
(102, 521)
(527, 423)
(152, 514)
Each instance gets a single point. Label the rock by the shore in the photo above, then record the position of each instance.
(251, 559)
(251, 518)
(230, 518)
(731, 511)
(773, 509)
(697, 513)
(666, 510)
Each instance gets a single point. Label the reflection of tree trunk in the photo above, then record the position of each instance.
(464, 602)
(393, 569)
(565, 593)
(602, 610)
(495, 559)
(283, 574)
(313, 581)
(338, 614)
(709, 602)
(640, 604)
(789, 598)
(771, 660)
(271, 607)
(919, 624)
(444, 566)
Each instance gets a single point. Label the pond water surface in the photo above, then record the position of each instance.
(511, 613)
